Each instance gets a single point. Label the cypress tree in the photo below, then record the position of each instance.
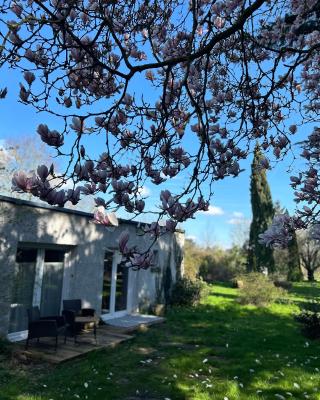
(260, 257)
(294, 268)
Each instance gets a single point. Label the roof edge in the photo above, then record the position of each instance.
(34, 204)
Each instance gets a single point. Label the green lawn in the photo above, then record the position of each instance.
(219, 350)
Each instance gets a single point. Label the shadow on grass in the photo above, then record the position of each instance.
(231, 296)
(308, 290)
(209, 352)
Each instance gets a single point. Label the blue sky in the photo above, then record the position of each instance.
(230, 205)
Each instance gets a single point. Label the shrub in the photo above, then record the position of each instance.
(309, 317)
(283, 284)
(187, 292)
(311, 323)
(220, 265)
(258, 290)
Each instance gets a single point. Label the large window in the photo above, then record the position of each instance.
(22, 290)
(38, 278)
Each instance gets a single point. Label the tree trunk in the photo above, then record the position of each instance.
(310, 275)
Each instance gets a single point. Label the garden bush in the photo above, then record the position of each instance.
(258, 290)
(311, 323)
(187, 292)
(220, 265)
(309, 317)
(311, 305)
(283, 284)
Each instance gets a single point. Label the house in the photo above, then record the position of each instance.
(48, 254)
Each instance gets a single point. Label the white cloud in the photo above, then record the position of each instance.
(68, 184)
(191, 237)
(238, 214)
(214, 210)
(144, 191)
(235, 221)
(238, 221)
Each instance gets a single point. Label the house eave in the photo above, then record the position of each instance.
(28, 203)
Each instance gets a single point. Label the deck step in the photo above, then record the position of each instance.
(132, 322)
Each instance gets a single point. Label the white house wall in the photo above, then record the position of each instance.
(27, 223)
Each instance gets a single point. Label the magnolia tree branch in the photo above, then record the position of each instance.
(220, 74)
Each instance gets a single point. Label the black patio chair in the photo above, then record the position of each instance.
(50, 326)
(73, 309)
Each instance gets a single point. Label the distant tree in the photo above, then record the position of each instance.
(213, 263)
(192, 258)
(260, 257)
(310, 254)
(21, 154)
(287, 260)
(281, 262)
(208, 234)
(212, 266)
(294, 268)
(218, 264)
(239, 233)
(26, 154)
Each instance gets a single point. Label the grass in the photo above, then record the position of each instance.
(215, 351)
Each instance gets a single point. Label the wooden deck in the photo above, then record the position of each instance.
(45, 351)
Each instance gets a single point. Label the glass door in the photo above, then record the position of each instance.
(22, 291)
(52, 279)
(115, 286)
(107, 280)
(121, 288)
(38, 282)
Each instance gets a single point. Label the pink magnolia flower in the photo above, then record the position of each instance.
(123, 241)
(141, 261)
(139, 205)
(279, 232)
(101, 218)
(171, 225)
(60, 198)
(17, 9)
(24, 93)
(22, 183)
(29, 77)
(19, 181)
(52, 138)
(77, 124)
(30, 55)
(43, 172)
(293, 128)
(74, 195)
(264, 163)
